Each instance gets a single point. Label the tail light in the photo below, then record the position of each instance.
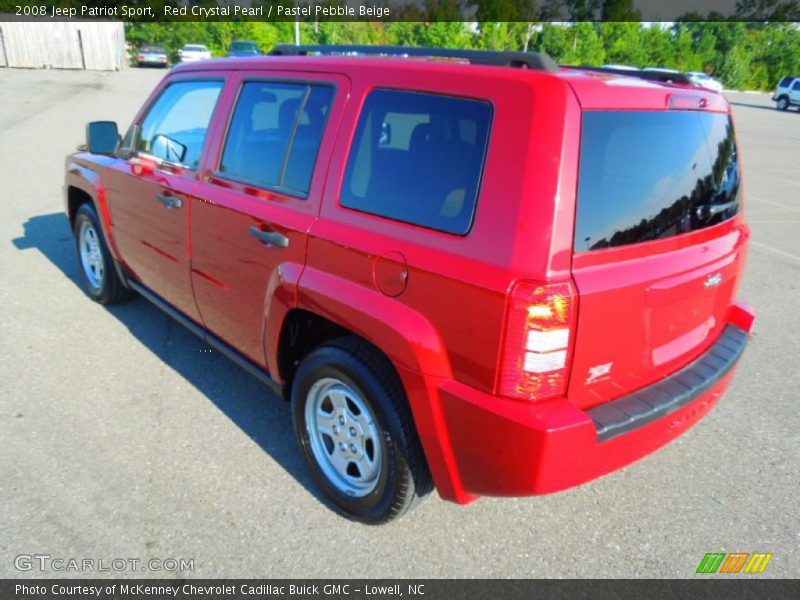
(537, 342)
(141, 57)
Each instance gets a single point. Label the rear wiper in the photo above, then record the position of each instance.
(706, 212)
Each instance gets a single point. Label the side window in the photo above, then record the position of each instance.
(796, 85)
(175, 128)
(275, 133)
(418, 158)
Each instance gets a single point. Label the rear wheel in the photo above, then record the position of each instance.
(782, 103)
(356, 432)
(101, 281)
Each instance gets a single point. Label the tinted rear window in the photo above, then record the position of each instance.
(275, 133)
(653, 175)
(418, 158)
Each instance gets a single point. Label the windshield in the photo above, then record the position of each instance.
(653, 175)
(244, 47)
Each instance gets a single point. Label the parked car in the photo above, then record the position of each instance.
(621, 67)
(244, 48)
(788, 93)
(152, 56)
(705, 80)
(194, 52)
(361, 234)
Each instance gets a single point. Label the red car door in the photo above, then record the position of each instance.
(149, 194)
(260, 195)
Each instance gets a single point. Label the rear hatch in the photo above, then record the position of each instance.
(659, 246)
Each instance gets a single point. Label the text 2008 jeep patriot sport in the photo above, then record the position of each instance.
(473, 270)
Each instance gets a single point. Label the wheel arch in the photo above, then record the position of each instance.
(83, 185)
(331, 307)
(76, 197)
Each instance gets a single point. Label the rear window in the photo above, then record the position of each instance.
(418, 158)
(653, 175)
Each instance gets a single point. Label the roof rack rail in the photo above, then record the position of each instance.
(524, 60)
(653, 75)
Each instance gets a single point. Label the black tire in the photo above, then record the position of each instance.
(103, 286)
(782, 103)
(404, 477)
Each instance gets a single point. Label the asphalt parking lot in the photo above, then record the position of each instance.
(124, 438)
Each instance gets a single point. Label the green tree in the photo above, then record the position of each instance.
(768, 10)
(583, 10)
(658, 46)
(735, 69)
(619, 10)
(497, 36)
(623, 43)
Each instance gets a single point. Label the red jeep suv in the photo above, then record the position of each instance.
(473, 270)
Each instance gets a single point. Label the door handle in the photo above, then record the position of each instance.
(169, 201)
(271, 238)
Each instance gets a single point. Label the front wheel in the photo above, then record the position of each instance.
(783, 103)
(356, 432)
(101, 281)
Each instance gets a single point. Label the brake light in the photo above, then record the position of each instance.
(536, 348)
(686, 102)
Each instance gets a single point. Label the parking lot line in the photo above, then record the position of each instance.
(794, 257)
(784, 206)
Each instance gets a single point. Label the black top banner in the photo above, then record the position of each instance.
(404, 10)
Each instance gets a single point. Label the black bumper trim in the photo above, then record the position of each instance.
(679, 389)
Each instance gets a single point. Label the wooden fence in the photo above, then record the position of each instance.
(97, 46)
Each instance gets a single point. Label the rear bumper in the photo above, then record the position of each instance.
(676, 391)
(503, 447)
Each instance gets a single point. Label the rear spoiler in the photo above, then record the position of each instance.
(659, 76)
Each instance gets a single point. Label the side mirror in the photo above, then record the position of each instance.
(102, 137)
(167, 149)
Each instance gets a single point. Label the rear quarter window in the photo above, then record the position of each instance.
(418, 158)
(652, 175)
